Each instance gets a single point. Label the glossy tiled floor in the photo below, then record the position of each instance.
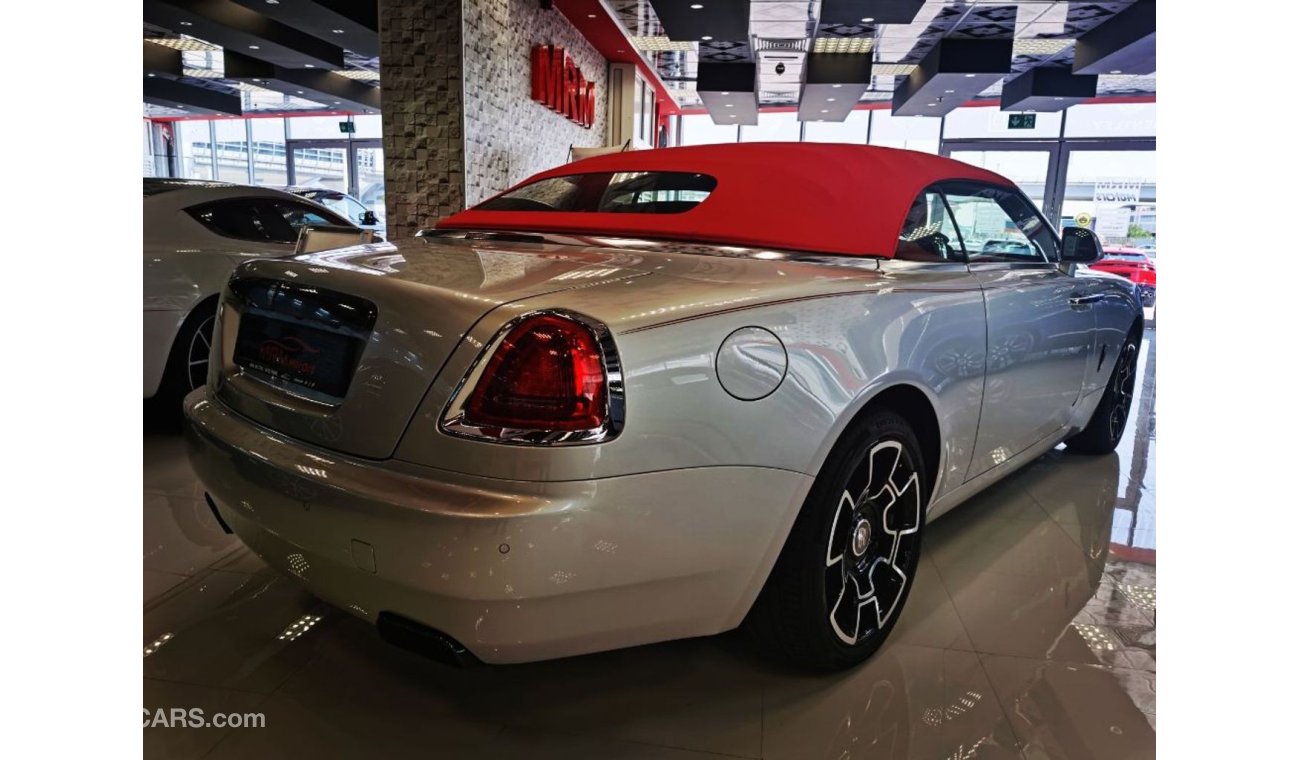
(1030, 634)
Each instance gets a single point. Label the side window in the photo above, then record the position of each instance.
(298, 215)
(241, 219)
(928, 232)
(997, 224)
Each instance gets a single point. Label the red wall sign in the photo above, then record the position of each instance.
(561, 87)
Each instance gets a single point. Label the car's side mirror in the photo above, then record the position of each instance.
(1079, 245)
(369, 218)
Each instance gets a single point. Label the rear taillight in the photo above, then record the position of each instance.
(548, 377)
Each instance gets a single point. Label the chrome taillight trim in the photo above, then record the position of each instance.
(453, 420)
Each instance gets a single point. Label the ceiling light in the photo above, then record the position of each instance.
(970, 76)
(272, 2)
(184, 44)
(299, 92)
(868, 20)
(706, 38)
(1058, 98)
(254, 47)
(726, 93)
(932, 105)
(362, 75)
(731, 105)
(1040, 46)
(837, 86)
(660, 44)
(1116, 71)
(310, 65)
(826, 110)
(892, 69)
(337, 31)
(153, 75)
(696, 6)
(591, 15)
(186, 23)
(848, 45)
(830, 100)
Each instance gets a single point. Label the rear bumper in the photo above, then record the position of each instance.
(513, 570)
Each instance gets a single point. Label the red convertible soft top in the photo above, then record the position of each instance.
(826, 198)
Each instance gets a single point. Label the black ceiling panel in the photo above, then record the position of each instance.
(1126, 44)
(160, 59)
(200, 100)
(955, 71)
(729, 91)
(351, 24)
(880, 11)
(229, 25)
(325, 87)
(832, 85)
(719, 19)
(1045, 90)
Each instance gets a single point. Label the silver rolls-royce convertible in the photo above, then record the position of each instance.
(655, 395)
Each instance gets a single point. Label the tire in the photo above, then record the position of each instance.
(1106, 426)
(187, 363)
(838, 588)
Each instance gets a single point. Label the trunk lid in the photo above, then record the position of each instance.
(338, 348)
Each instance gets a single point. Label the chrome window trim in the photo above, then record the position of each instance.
(453, 420)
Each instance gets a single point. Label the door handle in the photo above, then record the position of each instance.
(1079, 299)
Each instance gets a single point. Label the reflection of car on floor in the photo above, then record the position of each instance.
(1134, 265)
(195, 233)
(344, 205)
(549, 426)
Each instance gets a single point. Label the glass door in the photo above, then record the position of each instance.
(319, 164)
(1031, 165)
(368, 175)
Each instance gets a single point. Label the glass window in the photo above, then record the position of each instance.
(998, 224)
(232, 150)
(369, 125)
(269, 167)
(989, 121)
(263, 220)
(1026, 168)
(1111, 120)
(699, 129)
(851, 130)
(928, 233)
(194, 149)
(910, 132)
(1113, 192)
(773, 127)
(343, 205)
(624, 192)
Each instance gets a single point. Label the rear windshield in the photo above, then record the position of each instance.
(620, 193)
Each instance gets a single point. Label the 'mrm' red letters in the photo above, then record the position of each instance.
(561, 87)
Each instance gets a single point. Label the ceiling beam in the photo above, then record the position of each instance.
(1126, 44)
(233, 26)
(955, 71)
(718, 19)
(201, 100)
(350, 24)
(324, 87)
(1046, 90)
(729, 91)
(851, 12)
(160, 59)
(832, 85)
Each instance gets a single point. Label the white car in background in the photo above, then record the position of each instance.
(195, 233)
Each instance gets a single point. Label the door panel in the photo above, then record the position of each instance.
(1038, 347)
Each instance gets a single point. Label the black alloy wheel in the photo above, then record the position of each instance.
(845, 571)
(1106, 426)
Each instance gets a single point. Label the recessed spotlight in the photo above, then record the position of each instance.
(299, 92)
(310, 65)
(706, 38)
(272, 2)
(726, 93)
(970, 76)
(1116, 71)
(337, 31)
(830, 100)
(1058, 98)
(868, 20)
(948, 92)
(257, 80)
(731, 105)
(153, 75)
(826, 110)
(336, 102)
(696, 6)
(621, 50)
(932, 105)
(837, 86)
(254, 47)
(186, 23)
(591, 15)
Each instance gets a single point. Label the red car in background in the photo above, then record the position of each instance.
(1133, 264)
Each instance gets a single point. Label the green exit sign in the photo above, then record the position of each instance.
(1021, 120)
(347, 127)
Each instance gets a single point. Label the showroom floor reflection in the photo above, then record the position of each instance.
(1030, 633)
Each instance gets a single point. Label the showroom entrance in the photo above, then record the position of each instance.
(1108, 184)
(355, 167)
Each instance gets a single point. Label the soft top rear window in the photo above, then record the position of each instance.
(609, 192)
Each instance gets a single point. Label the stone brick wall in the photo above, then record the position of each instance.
(508, 136)
(423, 114)
(459, 129)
